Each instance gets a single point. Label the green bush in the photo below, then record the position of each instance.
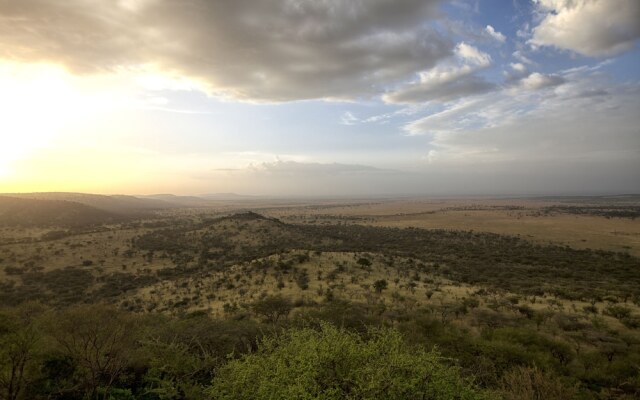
(336, 364)
(618, 311)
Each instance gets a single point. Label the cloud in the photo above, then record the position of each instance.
(537, 81)
(311, 168)
(495, 34)
(483, 162)
(286, 178)
(447, 81)
(501, 107)
(542, 134)
(454, 87)
(271, 50)
(472, 55)
(588, 27)
(458, 116)
(348, 118)
(518, 55)
(518, 67)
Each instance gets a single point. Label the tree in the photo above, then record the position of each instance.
(19, 344)
(99, 340)
(333, 363)
(380, 285)
(302, 279)
(174, 369)
(525, 383)
(272, 308)
(364, 262)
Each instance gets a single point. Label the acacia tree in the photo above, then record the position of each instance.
(19, 346)
(99, 339)
(380, 285)
(272, 308)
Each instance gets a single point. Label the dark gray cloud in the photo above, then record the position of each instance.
(269, 50)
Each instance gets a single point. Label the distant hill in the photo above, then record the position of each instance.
(35, 212)
(189, 201)
(118, 204)
(228, 196)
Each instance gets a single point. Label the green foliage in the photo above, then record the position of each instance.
(364, 262)
(98, 340)
(335, 364)
(272, 308)
(512, 333)
(525, 383)
(302, 279)
(618, 311)
(380, 285)
(176, 371)
(20, 346)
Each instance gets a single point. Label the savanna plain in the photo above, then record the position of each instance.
(176, 297)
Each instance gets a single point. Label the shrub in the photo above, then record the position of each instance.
(364, 262)
(380, 285)
(618, 311)
(525, 383)
(272, 308)
(336, 364)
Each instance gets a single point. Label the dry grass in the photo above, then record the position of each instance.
(516, 217)
(351, 281)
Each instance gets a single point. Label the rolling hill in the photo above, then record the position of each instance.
(36, 212)
(118, 204)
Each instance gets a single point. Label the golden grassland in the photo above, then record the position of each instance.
(339, 275)
(516, 217)
(490, 302)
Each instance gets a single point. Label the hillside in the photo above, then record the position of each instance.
(118, 204)
(33, 212)
(504, 310)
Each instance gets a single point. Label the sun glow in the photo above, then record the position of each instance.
(36, 102)
(43, 105)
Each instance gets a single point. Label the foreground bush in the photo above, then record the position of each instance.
(336, 364)
(526, 383)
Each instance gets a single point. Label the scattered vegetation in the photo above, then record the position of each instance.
(191, 306)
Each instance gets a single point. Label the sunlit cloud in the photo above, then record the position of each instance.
(592, 28)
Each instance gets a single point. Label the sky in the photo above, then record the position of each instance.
(320, 97)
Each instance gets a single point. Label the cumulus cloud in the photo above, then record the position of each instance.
(588, 27)
(472, 55)
(518, 67)
(536, 81)
(495, 34)
(271, 50)
(447, 81)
